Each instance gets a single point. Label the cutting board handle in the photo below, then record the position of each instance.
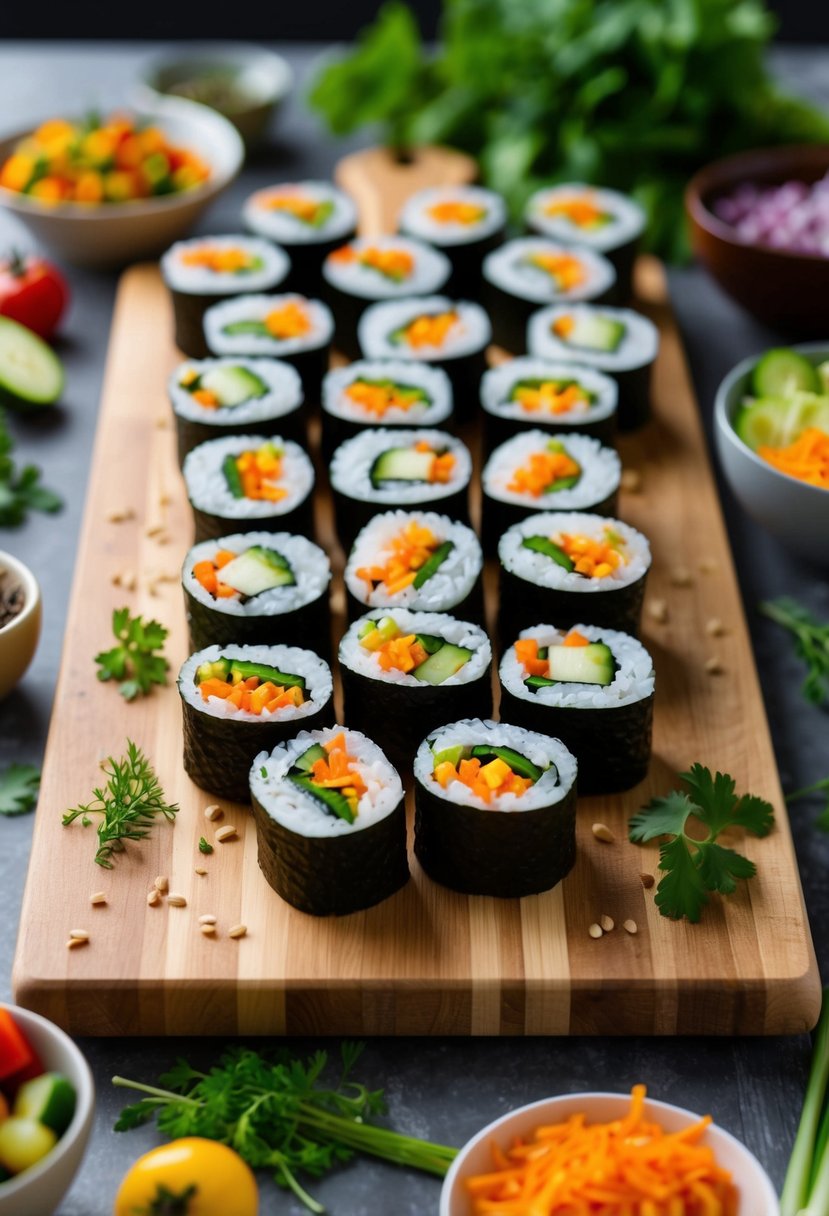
(380, 183)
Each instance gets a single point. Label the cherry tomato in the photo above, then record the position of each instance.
(33, 292)
(189, 1177)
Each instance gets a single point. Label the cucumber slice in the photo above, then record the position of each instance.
(401, 464)
(595, 331)
(450, 755)
(259, 328)
(444, 663)
(233, 385)
(518, 763)
(591, 664)
(332, 801)
(777, 421)
(240, 669)
(232, 476)
(256, 570)
(548, 548)
(782, 372)
(536, 682)
(430, 642)
(308, 759)
(31, 374)
(434, 563)
(50, 1099)
(378, 633)
(217, 670)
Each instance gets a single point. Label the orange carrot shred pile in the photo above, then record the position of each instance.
(259, 471)
(396, 264)
(807, 458)
(551, 398)
(542, 471)
(207, 573)
(592, 558)
(252, 695)
(430, 329)
(338, 771)
(289, 321)
(380, 398)
(485, 780)
(567, 270)
(409, 550)
(456, 211)
(579, 209)
(222, 259)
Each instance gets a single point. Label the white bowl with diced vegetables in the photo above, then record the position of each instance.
(44, 1135)
(771, 416)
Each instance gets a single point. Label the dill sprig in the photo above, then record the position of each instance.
(811, 643)
(128, 805)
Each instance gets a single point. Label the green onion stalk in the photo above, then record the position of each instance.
(806, 1188)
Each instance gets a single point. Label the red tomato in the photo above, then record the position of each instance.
(33, 292)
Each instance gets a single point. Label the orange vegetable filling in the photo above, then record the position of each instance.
(259, 472)
(455, 211)
(396, 264)
(300, 205)
(410, 550)
(807, 458)
(592, 558)
(400, 654)
(487, 781)
(222, 259)
(443, 463)
(551, 398)
(378, 399)
(542, 471)
(630, 1167)
(430, 330)
(580, 209)
(567, 270)
(289, 321)
(252, 695)
(339, 772)
(207, 573)
(526, 652)
(563, 326)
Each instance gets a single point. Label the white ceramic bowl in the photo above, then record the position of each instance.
(794, 511)
(757, 1195)
(18, 639)
(111, 234)
(39, 1190)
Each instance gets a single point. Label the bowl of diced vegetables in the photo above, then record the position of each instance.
(108, 189)
(47, 1101)
(771, 417)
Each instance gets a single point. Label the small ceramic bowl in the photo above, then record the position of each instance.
(244, 83)
(794, 511)
(757, 1195)
(789, 291)
(112, 234)
(18, 639)
(39, 1190)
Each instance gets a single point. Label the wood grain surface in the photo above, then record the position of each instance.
(427, 960)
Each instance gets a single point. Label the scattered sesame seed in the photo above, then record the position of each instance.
(596, 931)
(213, 812)
(228, 832)
(162, 884)
(98, 898)
(631, 480)
(658, 611)
(200, 870)
(207, 918)
(631, 927)
(681, 577)
(79, 935)
(153, 897)
(176, 901)
(238, 931)
(709, 565)
(607, 923)
(714, 666)
(74, 942)
(714, 627)
(208, 930)
(120, 515)
(602, 832)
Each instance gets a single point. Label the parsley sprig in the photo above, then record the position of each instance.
(134, 661)
(19, 784)
(818, 787)
(811, 643)
(694, 867)
(20, 489)
(128, 805)
(278, 1113)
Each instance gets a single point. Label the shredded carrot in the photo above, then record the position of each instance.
(526, 652)
(222, 259)
(252, 695)
(567, 270)
(301, 206)
(580, 209)
(542, 471)
(551, 398)
(339, 771)
(456, 211)
(430, 329)
(485, 780)
(206, 573)
(563, 326)
(395, 264)
(206, 398)
(401, 654)
(443, 463)
(259, 471)
(289, 321)
(380, 398)
(574, 638)
(592, 558)
(807, 459)
(409, 550)
(630, 1167)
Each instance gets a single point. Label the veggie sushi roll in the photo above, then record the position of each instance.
(375, 268)
(257, 588)
(205, 270)
(217, 397)
(495, 809)
(435, 330)
(237, 700)
(288, 327)
(408, 672)
(383, 468)
(553, 397)
(466, 222)
(249, 479)
(417, 560)
(609, 222)
(308, 219)
(567, 566)
(617, 341)
(535, 471)
(531, 271)
(590, 687)
(382, 392)
(330, 822)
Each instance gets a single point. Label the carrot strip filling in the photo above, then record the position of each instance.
(409, 550)
(456, 211)
(259, 472)
(339, 772)
(394, 264)
(565, 268)
(289, 321)
(252, 695)
(807, 459)
(592, 558)
(301, 206)
(526, 652)
(551, 398)
(379, 398)
(443, 463)
(220, 258)
(581, 210)
(485, 780)
(563, 326)
(207, 573)
(430, 329)
(542, 471)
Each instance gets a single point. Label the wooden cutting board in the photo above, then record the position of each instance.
(427, 961)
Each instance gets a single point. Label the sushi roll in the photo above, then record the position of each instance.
(201, 272)
(418, 560)
(288, 327)
(382, 392)
(528, 393)
(212, 398)
(249, 479)
(528, 272)
(257, 589)
(237, 700)
(435, 330)
(383, 468)
(567, 566)
(617, 341)
(535, 471)
(605, 220)
(590, 687)
(308, 220)
(495, 809)
(466, 222)
(375, 268)
(404, 673)
(326, 848)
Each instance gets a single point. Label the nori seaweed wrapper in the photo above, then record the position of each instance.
(634, 396)
(522, 604)
(336, 430)
(480, 851)
(307, 257)
(465, 373)
(612, 745)
(308, 626)
(310, 365)
(334, 875)
(623, 260)
(190, 434)
(347, 309)
(469, 608)
(497, 516)
(401, 714)
(498, 430)
(509, 315)
(299, 520)
(467, 258)
(352, 514)
(188, 319)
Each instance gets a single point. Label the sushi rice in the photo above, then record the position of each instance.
(292, 660)
(510, 270)
(350, 471)
(498, 383)
(209, 492)
(432, 380)
(459, 633)
(310, 565)
(257, 308)
(430, 269)
(202, 281)
(284, 392)
(281, 224)
(543, 572)
(416, 220)
(633, 681)
(623, 219)
(601, 471)
(469, 335)
(637, 348)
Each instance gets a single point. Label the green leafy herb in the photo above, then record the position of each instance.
(19, 784)
(278, 1113)
(695, 867)
(819, 787)
(127, 806)
(134, 661)
(205, 846)
(20, 489)
(811, 643)
(633, 94)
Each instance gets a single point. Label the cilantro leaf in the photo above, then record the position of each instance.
(714, 797)
(661, 817)
(811, 644)
(133, 661)
(682, 892)
(205, 846)
(19, 784)
(20, 490)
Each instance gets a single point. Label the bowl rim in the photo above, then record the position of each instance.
(83, 1109)
(654, 1105)
(221, 52)
(722, 416)
(31, 589)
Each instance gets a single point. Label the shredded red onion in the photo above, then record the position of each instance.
(793, 217)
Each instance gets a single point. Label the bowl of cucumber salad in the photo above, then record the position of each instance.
(772, 436)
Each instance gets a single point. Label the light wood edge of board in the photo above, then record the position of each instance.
(380, 184)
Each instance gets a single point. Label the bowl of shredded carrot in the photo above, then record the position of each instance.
(600, 1154)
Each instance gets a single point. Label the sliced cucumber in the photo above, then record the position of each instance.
(233, 385)
(444, 663)
(536, 682)
(232, 476)
(308, 759)
(332, 801)
(240, 670)
(781, 372)
(376, 633)
(259, 328)
(548, 548)
(433, 564)
(402, 464)
(31, 374)
(596, 331)
(450, 755)
(256, 570)
(50, 1099)
(430, 642)
(219, 669)
(591, 664)
(777, 421)
(518, 763)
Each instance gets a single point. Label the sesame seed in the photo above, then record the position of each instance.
(80, 935)
(602, 832)
(153, 897)
(631, 927)
(176, 901)
(213, 812)
(98, 898)
(714, 627)
(714, 666)
(228, 832)
(631, 480)
(607, 923)
(238, 931)
(596, 931)
(162, 884)
(658, 611)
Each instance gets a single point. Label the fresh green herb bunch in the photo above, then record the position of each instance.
(279, 1114)
(19, 784)
(632, 94)
(811, 643)
(134, 661)
(20, 489)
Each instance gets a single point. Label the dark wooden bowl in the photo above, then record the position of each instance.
(789, 291)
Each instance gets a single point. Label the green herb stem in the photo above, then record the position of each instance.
(796, 1197)
(811, 644)
(380, 1141)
